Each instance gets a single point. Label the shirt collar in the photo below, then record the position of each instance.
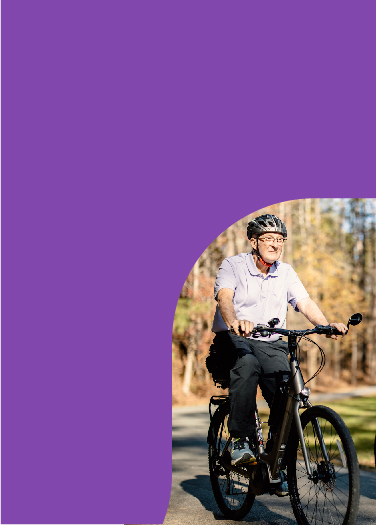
(253, 270)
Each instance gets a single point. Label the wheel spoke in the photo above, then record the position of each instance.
(231, 490)
(331, 494)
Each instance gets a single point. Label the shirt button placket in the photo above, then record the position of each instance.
(263, 294)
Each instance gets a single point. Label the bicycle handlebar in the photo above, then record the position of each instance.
(265, 330)
(269, 329)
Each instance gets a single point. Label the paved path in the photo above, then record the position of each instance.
(191, 499)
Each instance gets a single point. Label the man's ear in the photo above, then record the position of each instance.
(253, 242)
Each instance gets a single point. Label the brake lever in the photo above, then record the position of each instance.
(241, 332)
(262, 330)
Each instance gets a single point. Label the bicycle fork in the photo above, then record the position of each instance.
(299, 429)
(299, 389)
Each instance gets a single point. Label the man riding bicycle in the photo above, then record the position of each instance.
(250, 289)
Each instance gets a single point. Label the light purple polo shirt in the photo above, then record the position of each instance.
(256, 298)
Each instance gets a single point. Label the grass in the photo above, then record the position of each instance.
(359, 414)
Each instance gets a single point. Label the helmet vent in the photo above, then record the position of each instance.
(266, 223)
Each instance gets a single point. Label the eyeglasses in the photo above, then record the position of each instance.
(271, 240)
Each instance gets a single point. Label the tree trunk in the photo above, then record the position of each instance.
(373, 356)
(188, 370)
(317, 215)
(196, 273)
(288, 252)
(230, 248)
(372, 324)
(341, 221)
(302, 226)
(289, 243)
(336, 359)
(192, 345)
(354, 358)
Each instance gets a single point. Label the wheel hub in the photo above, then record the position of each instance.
(326, 474)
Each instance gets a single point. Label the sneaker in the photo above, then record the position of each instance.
(241, 453)
(282, 488)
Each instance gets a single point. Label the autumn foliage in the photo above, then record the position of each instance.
(332, 246)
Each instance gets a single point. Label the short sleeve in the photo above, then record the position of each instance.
(295, 290)
(226, 278)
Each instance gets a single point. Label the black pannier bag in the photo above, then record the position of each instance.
(219, 363)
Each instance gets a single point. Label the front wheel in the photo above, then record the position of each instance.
(331, 494)
(232, 491)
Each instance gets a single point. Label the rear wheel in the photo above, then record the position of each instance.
(331, 494)
(232, 491)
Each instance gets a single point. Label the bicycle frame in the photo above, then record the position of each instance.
(297, 398)
(322, 479)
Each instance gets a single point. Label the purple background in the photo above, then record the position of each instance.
(133, 134)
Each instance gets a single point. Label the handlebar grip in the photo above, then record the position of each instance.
(328, 330)
(241, 332)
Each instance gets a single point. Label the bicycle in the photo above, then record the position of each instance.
(317, 451)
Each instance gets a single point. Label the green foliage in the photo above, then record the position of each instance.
(359, 415)
(187, 311)
(182, 317)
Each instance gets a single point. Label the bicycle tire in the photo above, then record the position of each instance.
(332, 494)
(232, 491)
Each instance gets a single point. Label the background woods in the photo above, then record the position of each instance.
(332, 246)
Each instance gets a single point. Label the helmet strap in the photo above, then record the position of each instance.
(263, 262)
(261, 259)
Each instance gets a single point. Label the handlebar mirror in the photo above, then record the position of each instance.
(354, 319)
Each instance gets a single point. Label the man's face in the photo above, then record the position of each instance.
(270, 246)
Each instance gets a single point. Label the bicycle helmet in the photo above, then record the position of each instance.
(266, 224)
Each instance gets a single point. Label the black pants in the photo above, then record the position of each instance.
(257, 362)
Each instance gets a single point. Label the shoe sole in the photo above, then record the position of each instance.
(247, 458)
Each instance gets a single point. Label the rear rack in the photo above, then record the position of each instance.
(216, 400)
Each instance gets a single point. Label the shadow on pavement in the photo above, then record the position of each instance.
(200, 488)
(368, 484)
(192, 442)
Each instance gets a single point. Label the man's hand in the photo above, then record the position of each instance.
(241, 327)
(226, 307)
(340, 327)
